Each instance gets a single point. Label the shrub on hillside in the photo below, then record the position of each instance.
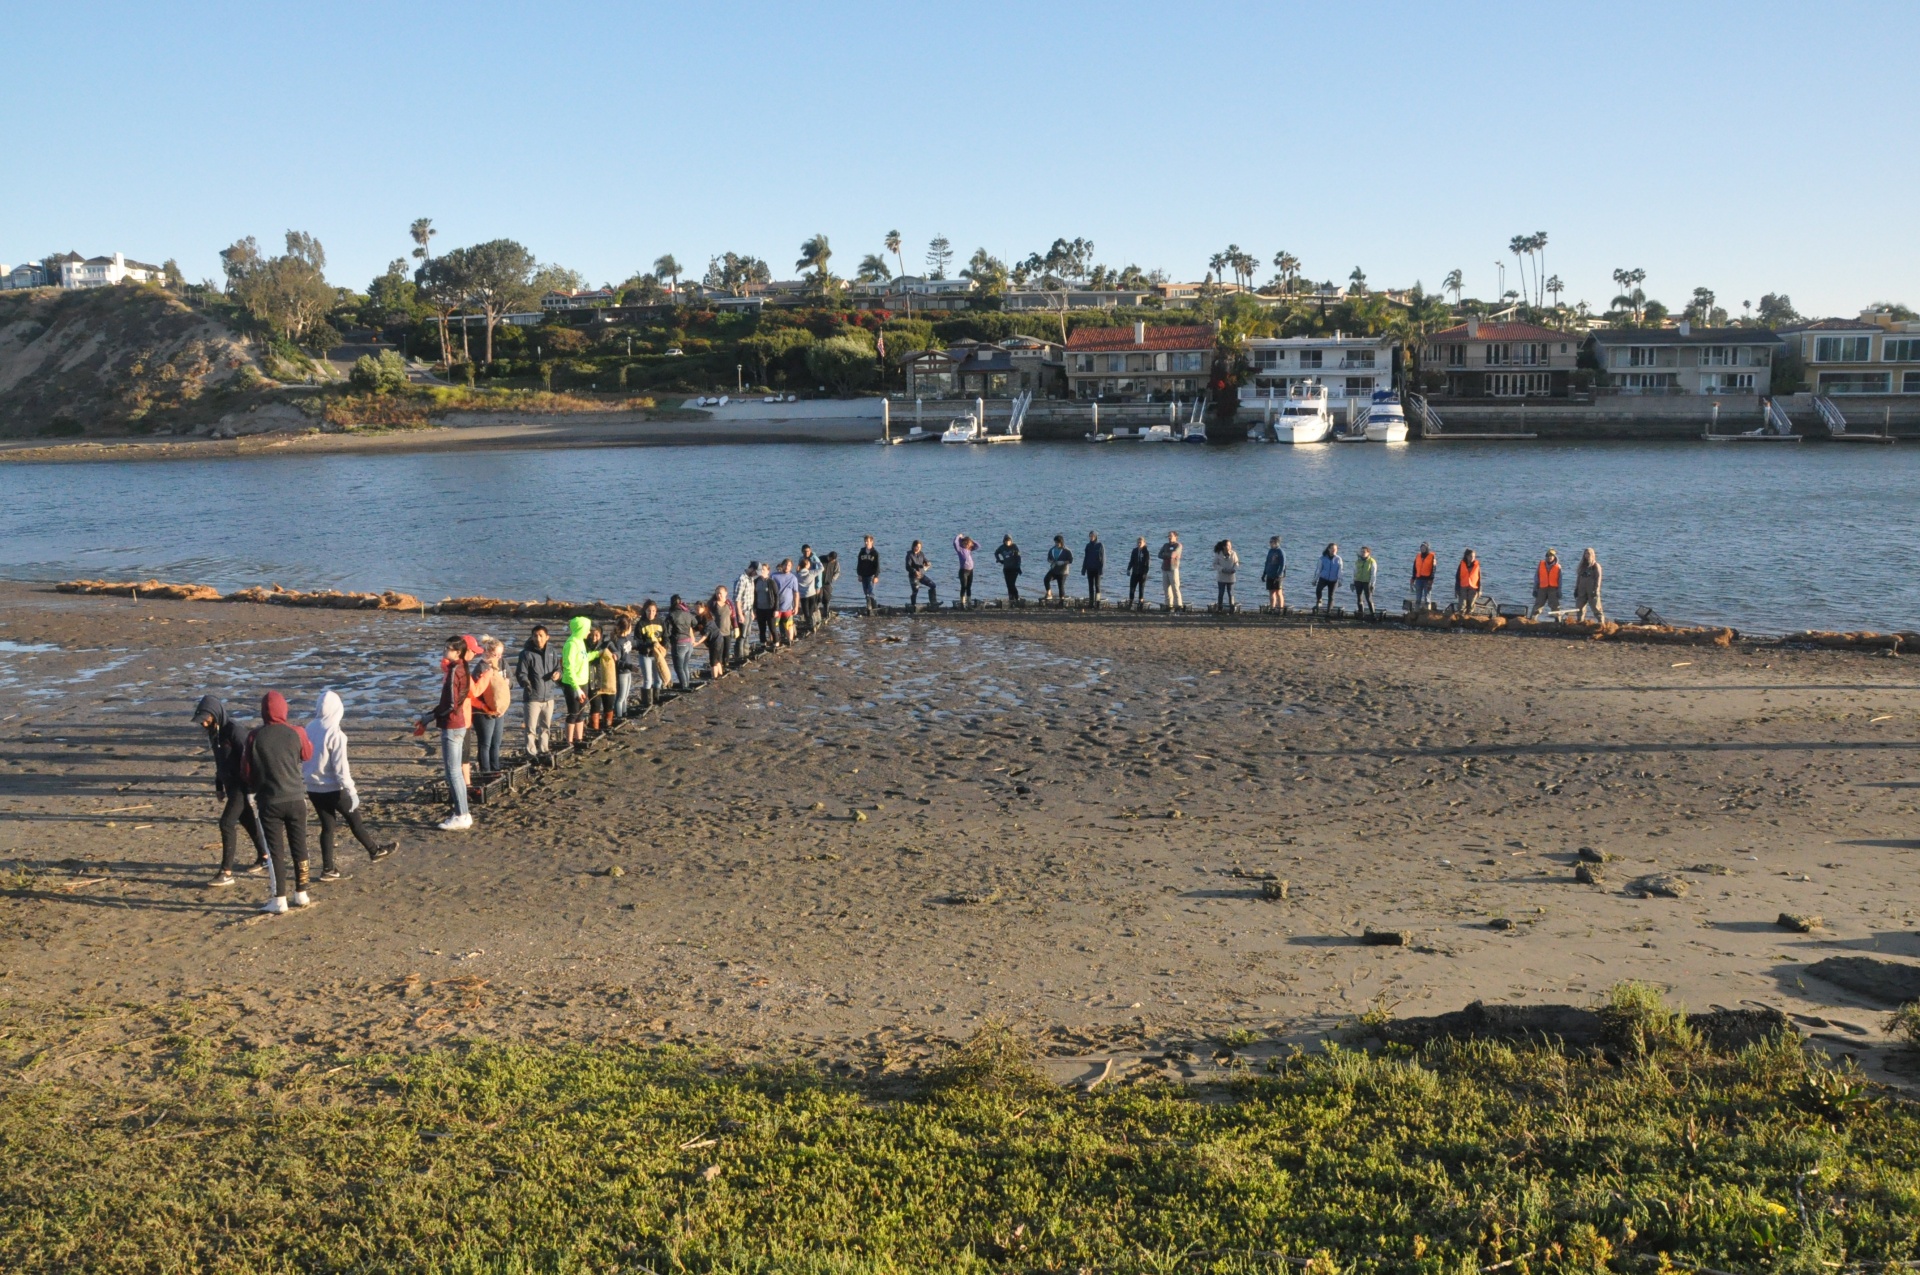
(381, 374)
(841, 363)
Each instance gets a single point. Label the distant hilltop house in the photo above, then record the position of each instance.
(999, 369)
(577, 299)
(1873, 354)
(1502, 360)
(913, 292)
(1348, 366)
(71, 270)
(1138, 361)
(1686, 360)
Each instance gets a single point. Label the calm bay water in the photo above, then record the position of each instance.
(1767, 538)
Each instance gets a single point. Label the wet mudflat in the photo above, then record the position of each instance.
(910, 827)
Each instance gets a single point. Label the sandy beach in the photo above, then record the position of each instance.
(907, 827)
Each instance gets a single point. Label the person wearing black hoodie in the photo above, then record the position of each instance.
(1093, 564)
(1139, 562)
(273, 766)
(236, 810)
(538, 673)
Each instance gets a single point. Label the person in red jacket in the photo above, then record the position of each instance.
(1466, 582)
(454, 715)
(1546, 585)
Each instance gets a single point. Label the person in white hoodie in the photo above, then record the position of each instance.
(330, 787)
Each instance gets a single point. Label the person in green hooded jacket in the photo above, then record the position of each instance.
(576, 665)
(1363, 573)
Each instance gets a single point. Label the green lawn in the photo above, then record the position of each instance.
(1458, 1157)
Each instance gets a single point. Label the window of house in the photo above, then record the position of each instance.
(1712, 381)
(1083, 362)
(1265, 360)
(1910, 382)
(1718, 356)
(1499, 353)
(1139, 362)
(1310, 358)
(1116, 362)
(1856, 382)
(1842, 349)
(1643, 380)
(1517, 384)
(1359, 358)
(1359, 387)
(1642, 355)
(1456, 355)
(1190, 361)
(1903, 350)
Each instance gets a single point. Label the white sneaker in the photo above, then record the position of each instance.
(458, 823)
(274, 906)
(300, 899)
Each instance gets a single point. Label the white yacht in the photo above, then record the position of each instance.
(1303, 416)
(1158, 434)
(1386, 419)
(963, 429)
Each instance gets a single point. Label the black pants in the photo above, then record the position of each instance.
(1137, 590)
(966, 585)
(763, 621)
(286, 828)
(1093, 586)
(332, 808)
(237, 811)
(1328, 587)
(1013, 582)
(1363, 598)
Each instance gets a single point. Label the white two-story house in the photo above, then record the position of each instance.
(1686, 360)
(1350, 367)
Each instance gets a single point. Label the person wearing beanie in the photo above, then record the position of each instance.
(273, 768)
(236, 810)
(1546, 585)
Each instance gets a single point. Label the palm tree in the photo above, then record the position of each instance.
(1555, 288)
(814, 253)
(423, 231)
(1359, 280)
(1217, 263)
(665, 267)
(1538, 245)
(1289, 267)
(1519, 246)
(1452, 283)
(893, 246)
(874, 269)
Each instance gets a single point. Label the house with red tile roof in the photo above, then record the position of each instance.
(1137, 361)
(1502, 360)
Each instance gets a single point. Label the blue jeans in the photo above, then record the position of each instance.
(683, 664)
(1422, 592)
(486, 740)
(452, 744)
(625, 693)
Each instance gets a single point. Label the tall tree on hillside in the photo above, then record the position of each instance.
(439, 287)
(1555, 288)
(1537, 244)
(666, 267)
(495, 279)
(988, 272)
(939, 257)
(289, 294)
(893, 246)
(423, 232)
(873, 269)
(1289, 267)
(1776, 310)
(1700, 309)
(1452, 283)
(1217, 266)
(1520, 246)
(1358, 281)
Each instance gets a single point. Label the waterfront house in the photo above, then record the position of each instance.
(969, 369)
(1874, 354)
(1685, 360)
(1350, 367)
(1501, 360)
(578, 299)
(28, 274)
(1139, 361)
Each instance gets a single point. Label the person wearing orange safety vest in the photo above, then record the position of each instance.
(1546, 585)
(1466, 582)
(1424, 566)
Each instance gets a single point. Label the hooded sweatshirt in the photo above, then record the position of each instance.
(535, 669)
(275, 755)
(326, 770)
(1093, 560)
(229, 745)
(574, 657)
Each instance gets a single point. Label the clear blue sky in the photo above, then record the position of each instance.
(1748, 147)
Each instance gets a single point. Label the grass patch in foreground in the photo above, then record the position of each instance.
(1459, 1157)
